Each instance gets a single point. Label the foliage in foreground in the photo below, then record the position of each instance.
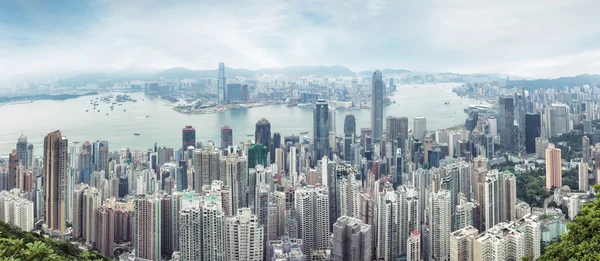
(582, 241)
(18, 245)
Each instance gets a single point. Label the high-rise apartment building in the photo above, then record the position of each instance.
(312, 206)
(541, 144)
(320, 130)
(244, 236)
(105, 230)
(16, 210)
(213, 246)
(190, 234)
(583, 176)
(92, 199)
(585, 150)
(351, 240)
(206, 167)
(388, 225)
(55, 180)
(509, 241)
(419, 128)
(78, 225)
(377, 96)
(553, 167)
(461, 244)
(413, 246)
(439, 219)
(235, 175)
(147, 227)
(13, 170)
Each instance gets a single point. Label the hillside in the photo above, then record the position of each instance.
(18, 245)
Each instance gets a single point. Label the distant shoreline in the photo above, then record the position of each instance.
(41, 97)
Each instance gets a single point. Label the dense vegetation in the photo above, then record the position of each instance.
(582, 241)
(573, 140)
(18, 245)
(531, 186)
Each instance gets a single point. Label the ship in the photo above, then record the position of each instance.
(147, 116)
(86, 110)
(136, 134)
(250, 135)
(446, 103)
(304, 132)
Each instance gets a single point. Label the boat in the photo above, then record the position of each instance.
(147, 116)
(98, 110)
(250, 135)
(446, 103)
(86, 110)
(304, 132)
(136, 134)
(107, 113)
(124, 110)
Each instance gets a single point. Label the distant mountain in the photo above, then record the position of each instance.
(181, 73)
(579, 80)
(384, 72)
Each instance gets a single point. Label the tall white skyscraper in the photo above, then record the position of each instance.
(583, 177)
(190, 234)
(413, 246)
(388, 225)
(15, 210)
(244, 237)
(408, 208)
(439, 222)
(419, 127)
(312, 205)
(377, 96)
(92, 199)
(221, 84)
(212, 229)
(235, 170)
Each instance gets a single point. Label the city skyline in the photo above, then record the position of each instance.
(454, 36)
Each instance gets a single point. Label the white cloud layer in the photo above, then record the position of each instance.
(535, 38)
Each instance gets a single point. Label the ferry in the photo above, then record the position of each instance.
(250, 135)
(136, 134)
(304, 132)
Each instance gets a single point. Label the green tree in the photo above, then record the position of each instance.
(582, 241)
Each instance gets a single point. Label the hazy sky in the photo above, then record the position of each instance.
(532, 38)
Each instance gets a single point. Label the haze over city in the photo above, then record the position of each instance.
(524, 38)
(267, 130)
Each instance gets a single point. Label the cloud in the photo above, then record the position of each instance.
(534, 38)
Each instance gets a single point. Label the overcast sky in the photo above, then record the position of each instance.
(532, 38)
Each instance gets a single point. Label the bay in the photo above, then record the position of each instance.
(163, 126)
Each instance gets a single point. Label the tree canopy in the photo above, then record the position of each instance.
(582, 241)
(18, 245)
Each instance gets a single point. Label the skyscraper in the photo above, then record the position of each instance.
(461, 244)
(188, 136)
(105, 230)
(55, 172)
(221, 84)
(419, 128)
(397, 127)
(439, 225)
(206, 167)
(585, 150)
(377, 96)
(235, 171)
(190, 235)
(226, 136)
(244, 237)
(320, 130)
(533, 129)
(22, 150)
(147, 227)
(349, 135)
(13, 167)
(506, 123)
(413, 246)
(553, 167)
(262, 133)
(351, 240)
(312, 205)
(583, 177)
(275, 144)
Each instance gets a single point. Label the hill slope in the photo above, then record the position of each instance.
(18, 245)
